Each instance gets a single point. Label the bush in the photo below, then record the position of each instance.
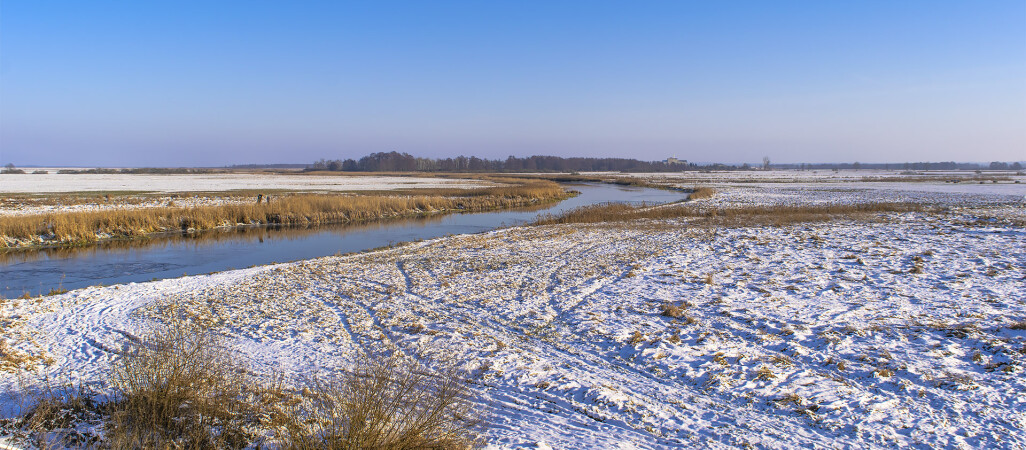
(180, 388)
(393, 404)
(671, 310)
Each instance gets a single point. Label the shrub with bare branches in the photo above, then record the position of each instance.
(392, 403)
(178, 387)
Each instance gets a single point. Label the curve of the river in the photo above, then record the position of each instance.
(39, 271)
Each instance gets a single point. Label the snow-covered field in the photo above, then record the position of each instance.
(841, 176)
(54, 183)
(906, 330)
(50, 205)
(29, 194)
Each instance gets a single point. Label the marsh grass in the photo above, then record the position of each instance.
(387, 403)
(301, 209)
(54, 417)
(179, 387)
(13, 360)
(700, 192)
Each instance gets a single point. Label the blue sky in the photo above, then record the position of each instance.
(184, 83)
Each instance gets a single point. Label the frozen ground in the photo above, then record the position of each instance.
(841, 176)
(28, 194)
(894, 332)
(56, 183)
(49, 205)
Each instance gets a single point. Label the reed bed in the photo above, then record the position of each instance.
(301, 209)
(701, 192)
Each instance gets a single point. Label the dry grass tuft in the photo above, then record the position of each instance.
(1020, 325)
(52, 420)
(636, 338)
(791, 398)
(699, 193)
(765, 373)
(13, 360)
(392, 403)
(883, 372)
(671, 310)
(180, 387)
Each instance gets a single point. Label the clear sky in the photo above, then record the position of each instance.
(183, 83)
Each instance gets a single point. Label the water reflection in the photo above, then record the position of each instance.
(255, 234)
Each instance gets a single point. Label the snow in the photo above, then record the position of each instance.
(808, 335)
(189, 190)
(49, 205)
(218, 182)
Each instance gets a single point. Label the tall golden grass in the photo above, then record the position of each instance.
(701, 192)
(385, 403)
(175, 388)
(301, 209)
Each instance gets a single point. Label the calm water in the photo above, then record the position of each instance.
(124, 262)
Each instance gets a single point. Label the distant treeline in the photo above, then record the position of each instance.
(141, 170)
(403, 162)
(269, 166)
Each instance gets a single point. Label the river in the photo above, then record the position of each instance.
(39, 271)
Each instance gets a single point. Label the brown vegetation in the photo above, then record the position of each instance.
(174, 388)
(392, 403)
(636, 338)
(299, 209)
(671, 310)
(180, 386)
(700, 193)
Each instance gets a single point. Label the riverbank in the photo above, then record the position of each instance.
(900, 328)
(88, 227)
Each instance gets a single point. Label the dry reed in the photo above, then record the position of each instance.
(180, 387)
(388, 403)
(303, 209)
(701, 192)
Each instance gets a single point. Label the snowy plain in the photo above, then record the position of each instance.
(55, 182)
(134, 191)
(896, 331)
